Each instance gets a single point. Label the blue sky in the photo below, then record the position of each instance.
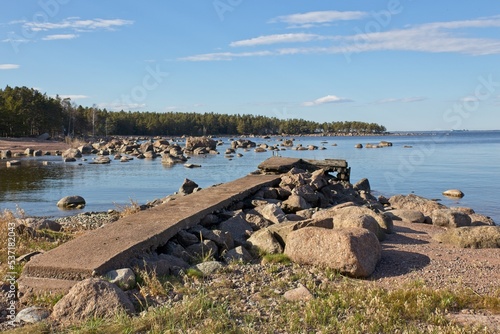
(406, 64)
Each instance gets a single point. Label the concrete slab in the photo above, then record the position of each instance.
(283, 165)
(112, 246)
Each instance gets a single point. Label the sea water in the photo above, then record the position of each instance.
(425, 164)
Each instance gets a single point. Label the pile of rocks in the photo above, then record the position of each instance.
(310, 216)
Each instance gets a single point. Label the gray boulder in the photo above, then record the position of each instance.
(351, 251)
(89, 298)
(412, 216)
(208, 267)
(271, 212)
(32, 314)
(123, 278)
(187, 187)
(71, 202)
(238, 228)
(264, 240)
(239, 254)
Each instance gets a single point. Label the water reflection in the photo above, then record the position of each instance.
(32, 175)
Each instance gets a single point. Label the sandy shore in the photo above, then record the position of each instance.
(19, 145)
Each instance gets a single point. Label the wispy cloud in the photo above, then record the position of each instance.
(60, 36)
(401, 100)
(318, 17)
(278, 38)
(15, 39)
(225, 56)
(77, 24)
(325, 99)
(9, 66)
(435, 37)
(74, 97)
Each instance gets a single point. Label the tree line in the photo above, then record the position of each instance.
(27, 112)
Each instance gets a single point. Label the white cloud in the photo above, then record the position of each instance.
(73, 97)
(436, 37)
(60, 36)
(402, 100)
(15, 40)
(325, 99)
(278, 38)
(319, 17)
(225, 56)
(77, 24)
(9, 66)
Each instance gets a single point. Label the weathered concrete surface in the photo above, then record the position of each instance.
(283, 165)
(112, 246)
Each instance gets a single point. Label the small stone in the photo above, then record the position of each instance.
(32, 314)
(301, 293)
(123, 278)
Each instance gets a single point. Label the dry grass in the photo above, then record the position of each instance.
(24, 240)
(128, 210)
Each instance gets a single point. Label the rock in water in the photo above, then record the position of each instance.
(71, 202)
(453, 193)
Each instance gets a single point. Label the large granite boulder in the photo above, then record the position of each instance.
(195, 142)
(471, 237)
(71, 153)
(89, 298)
(347, 212)
(351, 251)
(414, 202)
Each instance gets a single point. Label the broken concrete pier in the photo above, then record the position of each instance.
(112, 246)
(282, 165)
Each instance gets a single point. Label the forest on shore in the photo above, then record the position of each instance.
(27, 112)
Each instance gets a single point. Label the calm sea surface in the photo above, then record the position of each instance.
(424, 164)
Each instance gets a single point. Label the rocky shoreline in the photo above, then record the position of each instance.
(386, 242)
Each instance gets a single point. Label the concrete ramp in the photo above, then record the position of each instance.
(112, 246)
